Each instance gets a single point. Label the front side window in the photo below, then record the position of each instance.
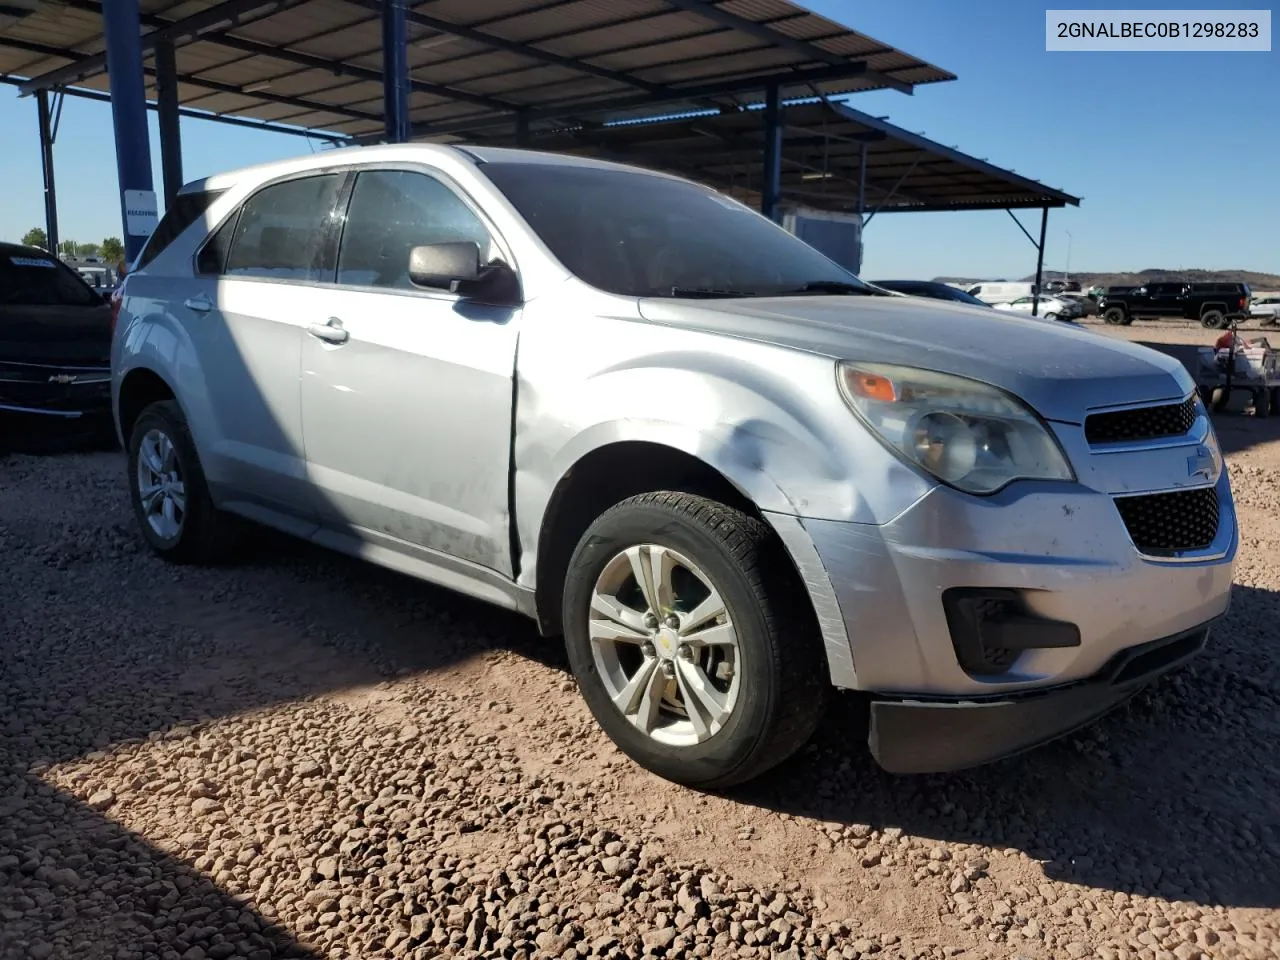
(644, 235)
(32, 280)
(393, 211)
(283, 231)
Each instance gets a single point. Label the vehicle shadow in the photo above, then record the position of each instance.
(1172, 795)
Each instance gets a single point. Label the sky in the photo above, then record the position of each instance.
(1176, 156)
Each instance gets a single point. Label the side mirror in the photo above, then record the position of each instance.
(444, 266)
(456, 267)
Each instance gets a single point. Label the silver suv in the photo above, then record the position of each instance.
(732, 475)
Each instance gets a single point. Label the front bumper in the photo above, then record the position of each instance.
(938, 735)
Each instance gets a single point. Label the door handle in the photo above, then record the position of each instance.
(200, 304)
(330, 332)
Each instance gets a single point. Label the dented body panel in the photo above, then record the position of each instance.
(434, 439)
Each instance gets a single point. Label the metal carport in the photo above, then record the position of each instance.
(396, 69)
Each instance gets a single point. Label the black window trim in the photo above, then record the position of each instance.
(344, 175)
(449, 183)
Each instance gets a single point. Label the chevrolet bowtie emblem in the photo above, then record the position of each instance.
(63, 378)
(1201, 463)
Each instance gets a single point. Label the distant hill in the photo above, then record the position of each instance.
(1255, 280)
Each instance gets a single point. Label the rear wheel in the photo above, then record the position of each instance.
(1116, 316)
(168, 490)
(692, 641)
(1051, 316)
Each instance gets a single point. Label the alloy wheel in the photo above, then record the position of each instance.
(161, 490)
(664, 645)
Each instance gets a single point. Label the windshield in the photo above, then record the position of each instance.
(40, 281)
(641, 235)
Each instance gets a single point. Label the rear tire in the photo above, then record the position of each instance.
(774, 692)
(1116, 316)
(169, 492)
(1263, 402)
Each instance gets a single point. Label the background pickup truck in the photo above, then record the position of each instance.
(1214, 305)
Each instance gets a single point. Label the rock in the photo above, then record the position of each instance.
(959, 883)
(40, 950)
(102, 800)
(203, 806)
(1076, 949)
(709, 888)
(553, 943)
(658, 939)
(194, 953)
(327, 867)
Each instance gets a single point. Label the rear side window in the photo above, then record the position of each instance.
(283, 231)
(186, 209)
(31, 281)
(393, 211)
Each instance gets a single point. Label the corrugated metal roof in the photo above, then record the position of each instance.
(475, 63)
(822, 160)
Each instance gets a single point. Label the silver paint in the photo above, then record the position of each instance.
(396, 445)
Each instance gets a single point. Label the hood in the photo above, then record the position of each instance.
(1059, 369)
(62, 334)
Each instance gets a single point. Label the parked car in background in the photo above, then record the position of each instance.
(1001, 291)
(1088, 305)
(1212, 305)
(55, 343)
(728, 472)
(1062, 286)
(1051, 308)
(930, 289)
(1265, 308)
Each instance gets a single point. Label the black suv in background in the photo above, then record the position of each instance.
(1214, 305)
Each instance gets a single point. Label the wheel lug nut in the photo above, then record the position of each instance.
(668, 669)
(650, 621)
(672, 621)
(647, 649)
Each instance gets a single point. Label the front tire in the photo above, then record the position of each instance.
(1214, 320)
(168, 490)
(692, 641)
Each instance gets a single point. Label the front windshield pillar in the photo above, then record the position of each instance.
(771, 193)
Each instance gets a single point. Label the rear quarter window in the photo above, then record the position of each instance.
(186, 209)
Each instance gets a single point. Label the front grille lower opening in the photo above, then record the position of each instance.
(1159, 656)
(1169, 523)
(1143, 423)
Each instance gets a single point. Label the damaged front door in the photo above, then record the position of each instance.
(407, 393)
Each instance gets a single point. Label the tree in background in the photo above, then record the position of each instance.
(35, 237)
(111, 250)
(67, 248)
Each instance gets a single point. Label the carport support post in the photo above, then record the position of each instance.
(395, 72)
(1044, 225)
(167, 109)
(771, 192)
(46, 168)
(129, 115)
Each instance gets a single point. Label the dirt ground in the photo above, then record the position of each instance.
(303, 756)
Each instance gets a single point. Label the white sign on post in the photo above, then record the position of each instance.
(140, 212)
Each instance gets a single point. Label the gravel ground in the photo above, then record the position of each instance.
(304, 756)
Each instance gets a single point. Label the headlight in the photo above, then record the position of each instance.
(968, 434)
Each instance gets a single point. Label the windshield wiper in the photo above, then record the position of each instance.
(830, 286)
(708, 293)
